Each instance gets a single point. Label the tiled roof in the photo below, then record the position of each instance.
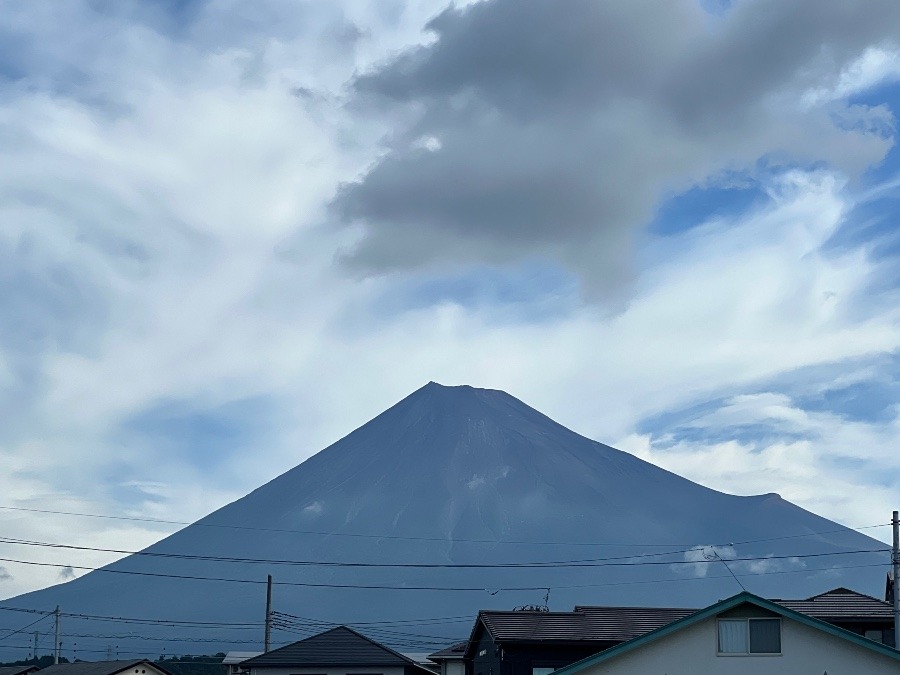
(618, 624)
(712, 611)
(237, 657)
(455, 651)
(339, 646)
(841, 603)
(16, 670)
(594, 624)
(527, 625)
(624, 623)
(99, 667)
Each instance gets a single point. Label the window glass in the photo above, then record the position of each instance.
(876, 635)
(733, 636)
(765, 636)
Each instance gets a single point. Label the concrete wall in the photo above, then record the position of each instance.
(692, 651)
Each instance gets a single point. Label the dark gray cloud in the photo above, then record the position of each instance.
(554, 128)
(4, 574)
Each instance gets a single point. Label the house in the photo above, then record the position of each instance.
(339, 651)
(538, 642)
(741, 635)
(847, 609)
(424, 660)
(452, 659)
(18, 670)
(132, 667)
(233, 660)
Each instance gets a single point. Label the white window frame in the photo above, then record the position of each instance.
(746, 621)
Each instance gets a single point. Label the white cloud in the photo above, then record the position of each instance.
(314, 509)
(177, 202)
(875, 66)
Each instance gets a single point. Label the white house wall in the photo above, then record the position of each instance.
(692, 651)
(453, 668)
(141, 669)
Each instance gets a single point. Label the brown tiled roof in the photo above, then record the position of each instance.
(592, 624)
(624, 623)
(618, 624)
(527, 625)
(841, 603)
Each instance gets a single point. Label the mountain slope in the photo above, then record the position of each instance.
(450, 476)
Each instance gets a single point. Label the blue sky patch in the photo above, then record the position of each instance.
(203, 436)
(531, 292)
(700, 204)
(870, 398)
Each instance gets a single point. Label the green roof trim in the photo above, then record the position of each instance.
(713, 610)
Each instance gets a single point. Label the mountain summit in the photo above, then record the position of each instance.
(458, 499)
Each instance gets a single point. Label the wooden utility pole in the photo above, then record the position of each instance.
(895, 559)
(268, 640)
(56, 642)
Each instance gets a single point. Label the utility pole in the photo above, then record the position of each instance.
(35, 647)
(56, 639)
(895, 559)
(268, 640)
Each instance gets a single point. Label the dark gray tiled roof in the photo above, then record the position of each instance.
(339, 646)
(455, 651)
(841, 604)
(16, 670)
(98, 667)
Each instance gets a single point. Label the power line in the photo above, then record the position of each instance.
(174, 623)
(258, 581)
(638, 563)
(326, 563)
(25, 627)
(397, 622)
(591, 562)
(411, 538)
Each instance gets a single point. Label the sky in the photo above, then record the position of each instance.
(231, 233)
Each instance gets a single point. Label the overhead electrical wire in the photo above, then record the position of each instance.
(412, 538)
(291, 623)
(638, 563)
(591, 562)
(26, 627)
(326, 563)
(254, 626)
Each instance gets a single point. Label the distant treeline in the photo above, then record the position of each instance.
(193, 665)
(40, 662)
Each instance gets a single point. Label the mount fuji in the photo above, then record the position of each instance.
(453, 500)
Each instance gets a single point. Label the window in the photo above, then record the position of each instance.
(877, 635)
(542, 671)
(749, 636)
